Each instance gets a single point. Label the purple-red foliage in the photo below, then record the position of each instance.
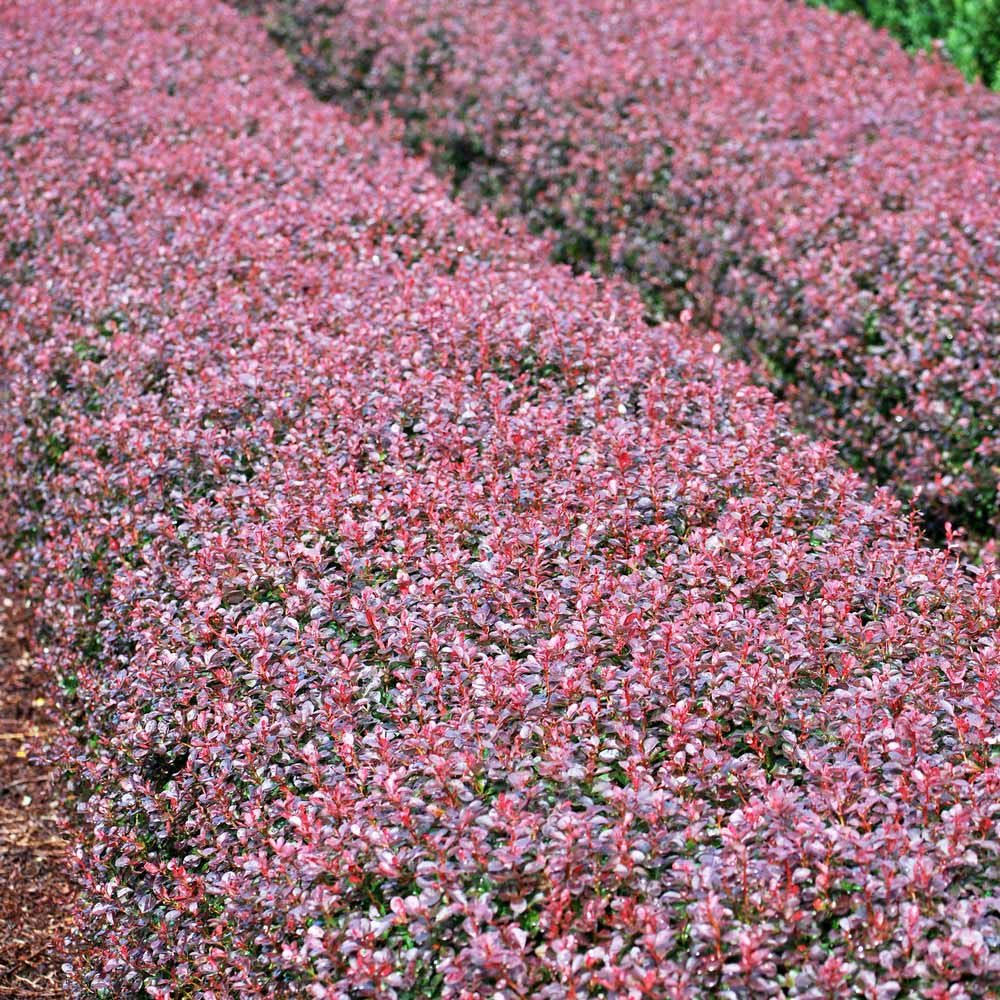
(432, 626)
(832, 202)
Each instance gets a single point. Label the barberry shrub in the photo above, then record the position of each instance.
(827, 199)
(429, 624)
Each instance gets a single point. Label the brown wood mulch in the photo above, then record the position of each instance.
(35, 887)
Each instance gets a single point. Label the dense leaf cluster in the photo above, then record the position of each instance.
(969, 29)
(434, 626)
(829, 200)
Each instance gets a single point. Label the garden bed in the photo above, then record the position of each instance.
(426, 622)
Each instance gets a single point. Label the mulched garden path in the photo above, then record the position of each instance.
(35, 888)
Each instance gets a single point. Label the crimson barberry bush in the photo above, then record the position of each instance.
(429, 624)
(828, 199)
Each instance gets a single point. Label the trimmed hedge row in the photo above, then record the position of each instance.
(432, 626)
(969, 29)
(828, 201)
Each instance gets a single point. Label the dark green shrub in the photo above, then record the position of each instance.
(970, 29)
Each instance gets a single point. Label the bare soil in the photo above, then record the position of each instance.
(35, 887)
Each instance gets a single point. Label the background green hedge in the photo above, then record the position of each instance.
(970, 29)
